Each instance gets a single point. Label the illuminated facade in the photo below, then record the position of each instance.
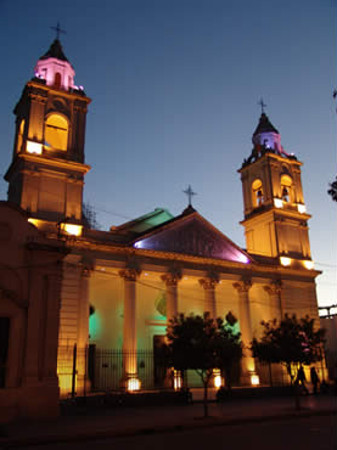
(275, 215)
(47, 170)
(120, 287)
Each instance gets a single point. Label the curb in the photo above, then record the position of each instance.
(7, 443)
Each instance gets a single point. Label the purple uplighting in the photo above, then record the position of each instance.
(194, 237)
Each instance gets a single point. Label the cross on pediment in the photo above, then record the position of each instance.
(189, 192)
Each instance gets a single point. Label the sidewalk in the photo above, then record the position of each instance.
(139, 420)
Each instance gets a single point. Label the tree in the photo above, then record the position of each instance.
(333, 190)
(203, 344)
(291, 342)
(90, 216)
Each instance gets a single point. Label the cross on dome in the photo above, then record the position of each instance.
(54, 67)
(58, 30)
(262, 104)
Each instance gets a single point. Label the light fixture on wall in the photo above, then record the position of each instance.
(254, 380)
(301, 208)
(133, 384)
(278, 202)
(285, 261)
(34, 148)
(308, 264)
(217, 378)
(71, 229)
(177, 380)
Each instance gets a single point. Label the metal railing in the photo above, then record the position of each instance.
(92, 369)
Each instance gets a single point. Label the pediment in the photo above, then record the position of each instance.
(192, 235)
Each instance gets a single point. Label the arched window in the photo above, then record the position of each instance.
(286, 188)
(57, 80)
(258, 195)
(56, 132)
(20, 135)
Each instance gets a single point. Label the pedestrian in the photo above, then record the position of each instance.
(300, 380)
(314, 379)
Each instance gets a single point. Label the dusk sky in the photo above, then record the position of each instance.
(175, 86)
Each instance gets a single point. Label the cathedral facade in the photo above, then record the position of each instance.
(92, 291)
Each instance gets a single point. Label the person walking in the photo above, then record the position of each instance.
(314, 379)
(300, 380)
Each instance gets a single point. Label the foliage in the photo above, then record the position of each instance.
(291, 342)
(203, 344)
(90, 216)
(333, 190)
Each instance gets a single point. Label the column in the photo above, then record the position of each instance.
(83, 329)
(247, 363)
(209, 285)
(274, 290)
(130, 380)
(171, 282)
(53, 301)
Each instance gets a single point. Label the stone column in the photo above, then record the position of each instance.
(247, 362)
(171, 282)
(83, 329)
(52, 328)
(274, 290)
(209, 285)
(131, 381)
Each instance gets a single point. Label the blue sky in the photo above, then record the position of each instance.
(174, 87)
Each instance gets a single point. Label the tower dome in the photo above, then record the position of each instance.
(55, 69)
(266, 135)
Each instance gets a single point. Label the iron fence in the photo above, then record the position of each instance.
(92, 369)
(103, 370)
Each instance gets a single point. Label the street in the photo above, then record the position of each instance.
(311, 433)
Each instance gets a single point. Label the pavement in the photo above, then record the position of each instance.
(88, 425)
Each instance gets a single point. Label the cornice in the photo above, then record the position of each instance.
(270, 156)
(47, 161)
(165, 258)
(277, 213)
(57, 92)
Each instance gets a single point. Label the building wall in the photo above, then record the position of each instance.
(30, 284)
(300, 298)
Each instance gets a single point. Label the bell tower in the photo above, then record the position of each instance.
(46, 175)
(275, 217)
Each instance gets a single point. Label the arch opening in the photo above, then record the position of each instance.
(257, 192)
(286, 188)
(56, 132)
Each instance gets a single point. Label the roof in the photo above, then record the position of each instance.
(55, 51)
(186, 234)
(265, 125)
(191, 234)
(145, 222)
